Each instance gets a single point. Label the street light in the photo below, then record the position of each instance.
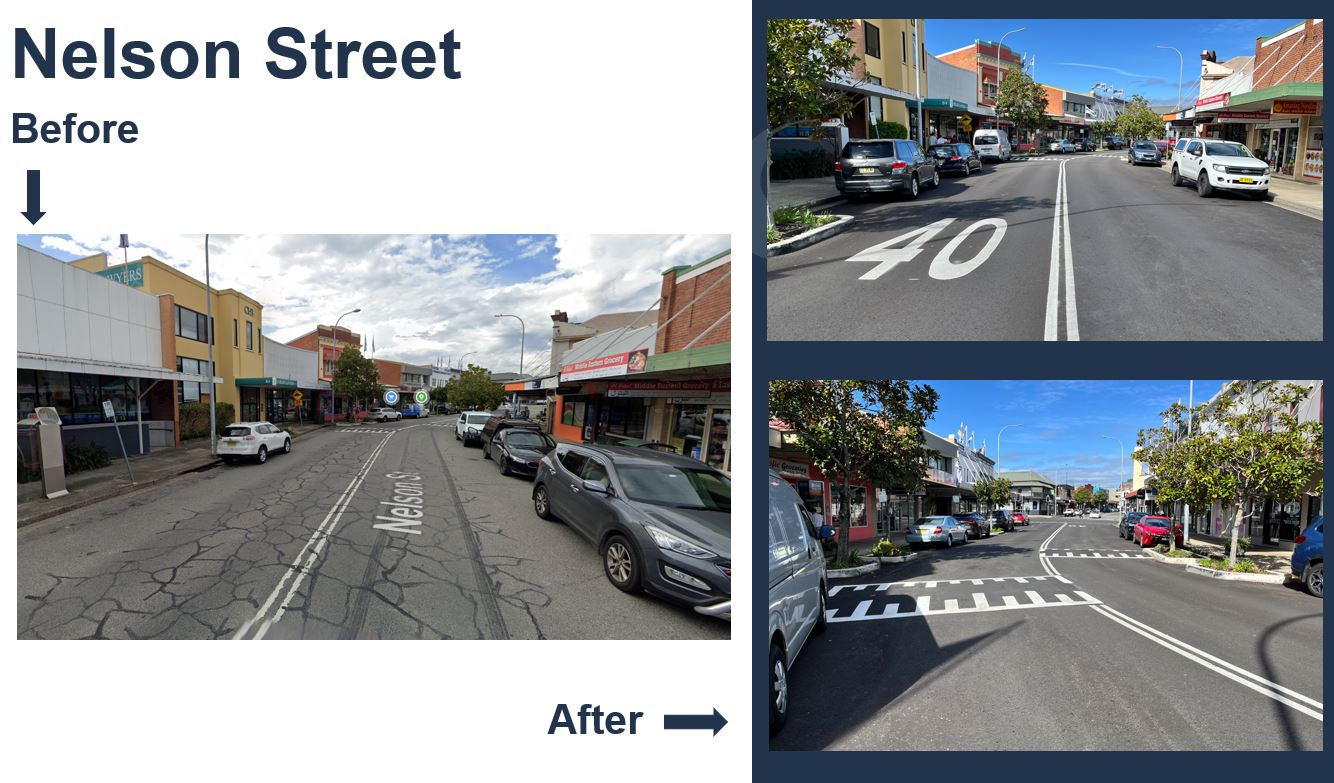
(998, 81)
(465, 356)
(1002, 430)
(1120, 471)
(523, 330)
(1180, 68)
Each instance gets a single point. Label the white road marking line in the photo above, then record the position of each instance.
(1021, 580)
(977, 581)
(930, 585)
(1010, 600)
(951, 604)
(1034, 597)
(1049, 329)
(1063, 598)
(1054, 533)
(313, 545)
(1071, 311)
(882, 586)
(980, 601)
(924, 604)
(1085, 596)
(1235, 673)
(861, 610)
(924, 612)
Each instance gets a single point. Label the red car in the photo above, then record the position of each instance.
(1152, 530)
(1020, 518)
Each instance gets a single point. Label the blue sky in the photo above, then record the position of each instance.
(1075, 54)
(1063, 421)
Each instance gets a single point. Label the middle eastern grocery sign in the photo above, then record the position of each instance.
(606, 366)
(697, 388)
(1242, 116)
(1214, 101)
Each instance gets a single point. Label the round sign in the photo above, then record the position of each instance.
(391, 397)
(422, 397)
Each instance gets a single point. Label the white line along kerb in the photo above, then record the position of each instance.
(310, 552)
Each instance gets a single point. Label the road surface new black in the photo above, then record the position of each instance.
(388, 531)
(1150, 262)
(983, 647)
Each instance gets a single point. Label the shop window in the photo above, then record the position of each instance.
(688, 430)
(872, 40)
(572, 413)
(904, 36)
(718, 451)
(86, 392)
(27, 393)
(856, 503)
(624, 416)
(236, 334)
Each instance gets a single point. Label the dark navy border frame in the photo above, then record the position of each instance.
(984, 360)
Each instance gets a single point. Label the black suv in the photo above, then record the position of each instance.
(1002, 519)
(1125, 527)
(884, 166)
(498, 424)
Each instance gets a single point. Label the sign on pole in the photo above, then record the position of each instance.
(110, 411)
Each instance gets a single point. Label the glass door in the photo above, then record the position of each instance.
(718, 446)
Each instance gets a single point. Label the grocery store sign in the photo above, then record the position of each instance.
(606, 366)
(1296, 107)
(1241, 116)
(704, 388)
(1214, 101)
(791, 469)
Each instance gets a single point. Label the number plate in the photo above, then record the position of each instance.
(867, 170)
(231, 442)
(1246, 181)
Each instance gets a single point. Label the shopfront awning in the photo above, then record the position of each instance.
(268, 382)
(870, 90)
(1301, 97)
(28, 361)
(939, 103)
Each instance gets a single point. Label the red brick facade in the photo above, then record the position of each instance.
(1298, 57)
(310, 341)
(692, 319)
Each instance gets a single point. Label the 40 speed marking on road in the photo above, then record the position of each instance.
(943, 266)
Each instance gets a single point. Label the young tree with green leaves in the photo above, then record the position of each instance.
(1100, 497)
(1084, 495)
(870, 430)
(473, 390)
(355, 377)
(1021, 100)
(1139, 121)
(992, 492)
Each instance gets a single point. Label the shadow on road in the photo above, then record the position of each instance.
(1282, 712)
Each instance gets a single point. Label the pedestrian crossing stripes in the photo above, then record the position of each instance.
(1107, 555)
(364, 431)
(879, 587)
(921, 607)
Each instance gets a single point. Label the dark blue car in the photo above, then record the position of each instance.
(1308, 558)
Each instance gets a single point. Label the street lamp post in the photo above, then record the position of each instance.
(465, 356)
(998, 441)
(1181, 65)
(998, 81)
(1120, 471)
(523, 330)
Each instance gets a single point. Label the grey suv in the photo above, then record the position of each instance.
(884, 166)
(661, 522)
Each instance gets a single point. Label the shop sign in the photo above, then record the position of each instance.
(791, 469)
(705, 400)
(701, 388)
(1296, 107)
(1242, 116)
(1214, 101)
(131, 275)
(625, 363)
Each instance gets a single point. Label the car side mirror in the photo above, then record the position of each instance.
(827, 532)
(596, 488)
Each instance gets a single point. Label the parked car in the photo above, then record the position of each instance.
(1003, 519)
(992, 144)
(661, 522)
(1069, 512)
(1020, 518)
(1115, 142)
(1153, 529)
(1162, 145)
(1308, 557)
(468, 427)
(1211, 164)
(252, 440)
(495, 424)
(1144, 152)
(1095, 514)
(976, 524)
(412, 410)
(385, 414)
(1087, 145)
(884, 166)
(798, 589)
(1126, 526)
(1056, 146)
(519, 450)
(936, 530)
(959, 159)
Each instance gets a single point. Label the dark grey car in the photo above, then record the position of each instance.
(884, 166)
(1125, 527)
(661, 522)
(1144, 152)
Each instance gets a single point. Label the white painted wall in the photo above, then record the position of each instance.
(65, 312)
(284, 361)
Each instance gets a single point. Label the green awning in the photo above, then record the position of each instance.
(267, 383)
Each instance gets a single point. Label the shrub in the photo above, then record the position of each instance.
(805, 164)
(891, 130)
(885, 548)
(85, 456)
(1243, 544)
(27, 474)
(851, 561)
(194, 418)
(786, 216)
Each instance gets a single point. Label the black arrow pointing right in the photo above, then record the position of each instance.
(34, 212)
(715, 721)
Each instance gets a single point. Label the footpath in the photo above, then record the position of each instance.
(95, 486)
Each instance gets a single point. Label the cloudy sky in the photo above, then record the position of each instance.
(421, 297)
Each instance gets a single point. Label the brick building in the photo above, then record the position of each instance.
(990, 61)
(328, 344)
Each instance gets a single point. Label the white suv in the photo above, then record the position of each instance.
(385, 414)
(1213, 164)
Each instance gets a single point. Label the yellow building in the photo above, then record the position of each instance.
(891, 56)
(238, 332)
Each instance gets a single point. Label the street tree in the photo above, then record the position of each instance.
(867, 430)
(1180, 459)
(802, 58)
(1101, 129)
(439, 396)
(1100, 497)
(1020, 99)
(355, 377)
(1139, 121)
(992, 492)
(1084, 495)
(473, 390)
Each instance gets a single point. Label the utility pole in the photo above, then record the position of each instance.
(998, 73)
(917, 70)
(1190, 421)
(212, 390)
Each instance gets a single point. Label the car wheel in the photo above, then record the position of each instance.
(621, 564)
(967, 169)
(912, 187)
(486, 450)
(949, 540)
(1203, 187)
(935, 178)
(287, 446)
(541, 502)
(821, 621)
(1176, 176)
(1314, 579)
(263, 455)
(504, 465)
(777, 689)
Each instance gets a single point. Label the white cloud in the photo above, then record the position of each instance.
(423, 297)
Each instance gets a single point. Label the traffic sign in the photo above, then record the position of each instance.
(391, 397)
(296, 397)
(422, 397)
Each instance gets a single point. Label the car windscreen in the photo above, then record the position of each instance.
(234, 432)
(531, 439)
(698, 489)
(869, 149)
(944, 150)
(1146, 145)
(985, 140)
(1227, 148)
(478, 418)
(1153, 522)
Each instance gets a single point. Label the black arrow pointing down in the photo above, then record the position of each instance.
(715, 721)
(34, 212)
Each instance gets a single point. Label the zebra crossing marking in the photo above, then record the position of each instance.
(1101, 555)
(894, 610)
(929, 584)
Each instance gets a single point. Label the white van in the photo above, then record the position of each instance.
(797, 588)
(992, 144)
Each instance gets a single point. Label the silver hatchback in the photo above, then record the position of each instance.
(936, 530)
(884, 166)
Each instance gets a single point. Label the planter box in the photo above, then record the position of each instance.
(843, 573)
(1162, 558)
(898, 559)
(1265, 577)
(810, 237)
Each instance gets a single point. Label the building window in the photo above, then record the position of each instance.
(872, 40)
(191, 391)
(904, 37)
(250, 335)
(191, 325)
(236, 334)
(260, 333)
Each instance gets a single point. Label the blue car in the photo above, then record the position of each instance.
(1308, 558)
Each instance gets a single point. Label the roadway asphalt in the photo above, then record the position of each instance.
(1012, 648)
(1149, 262)
(212, 554)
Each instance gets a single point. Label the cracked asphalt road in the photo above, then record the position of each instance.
(211, 555)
